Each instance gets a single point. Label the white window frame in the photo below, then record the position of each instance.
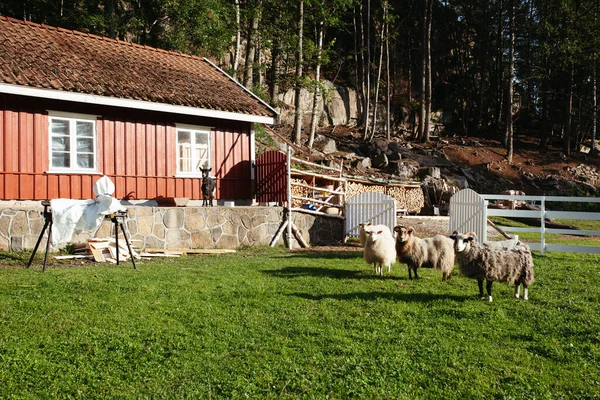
(195, 173)
(73, 118)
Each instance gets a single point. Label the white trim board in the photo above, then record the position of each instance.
(128, 103)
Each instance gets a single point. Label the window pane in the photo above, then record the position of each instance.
(61, 160)
(85, 161)
(201, 138)
(85, 145)
(201, 155)
(60, 127)
(61, 144)
(185, 165)
(85, 129)
(184, 137)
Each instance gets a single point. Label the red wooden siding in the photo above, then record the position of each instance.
(139, 157)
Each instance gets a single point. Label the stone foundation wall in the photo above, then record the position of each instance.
(178, 227)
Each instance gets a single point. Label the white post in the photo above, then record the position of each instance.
(289, 196)
(543, 225)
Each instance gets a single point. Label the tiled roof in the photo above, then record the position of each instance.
(41, 56)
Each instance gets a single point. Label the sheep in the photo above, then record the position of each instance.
(362, 236)
(432, 252)
(208, 187)
(379, 248)
(493, 263)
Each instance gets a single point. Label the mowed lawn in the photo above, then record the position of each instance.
(266, 323)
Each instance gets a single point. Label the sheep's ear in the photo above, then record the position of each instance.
(470, 236)
(398, 228)
(379, 232)
(410, 229)
(453, 236)
(454, 232)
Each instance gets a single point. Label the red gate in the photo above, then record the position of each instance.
(271, 177)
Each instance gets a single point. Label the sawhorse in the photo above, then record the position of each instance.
(117, 219)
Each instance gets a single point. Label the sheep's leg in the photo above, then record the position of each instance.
(525, 292)
(416, 276)
(517, 290)
(488, 287)
(409, 272)
(480, 285)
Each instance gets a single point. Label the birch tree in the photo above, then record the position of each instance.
(299, 61)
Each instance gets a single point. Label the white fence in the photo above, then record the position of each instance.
(464, 215)
(377, 208)
(468, 213)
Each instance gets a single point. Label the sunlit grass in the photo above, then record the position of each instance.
(265, 323)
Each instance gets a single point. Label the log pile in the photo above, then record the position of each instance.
(409, 198)
(299, 191)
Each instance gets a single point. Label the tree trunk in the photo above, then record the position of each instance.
(299, 62)
(595, 108)
(544, 89)
(508, 131)
(569, 113)
(357, 74)
(251, 48)
(377, 84)
(238, 40)
(423, 134)
(274, 81)
(428, 83)
(499, 69)
(387, 72)
(367, 72)
(313, 121)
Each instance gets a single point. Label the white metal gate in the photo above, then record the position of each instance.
(373, 207)
(468, 213)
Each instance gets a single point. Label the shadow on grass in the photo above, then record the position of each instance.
(330, 255)
(405, 297)
(295, 272)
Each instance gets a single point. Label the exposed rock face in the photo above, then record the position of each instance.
(341, 106)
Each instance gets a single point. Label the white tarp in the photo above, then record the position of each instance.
(69, 214)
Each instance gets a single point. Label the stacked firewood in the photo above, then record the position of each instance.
(409, 198)
(355, 188)
(299, 191)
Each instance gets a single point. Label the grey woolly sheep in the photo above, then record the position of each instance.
(432, 252)
(493, 263)
(362, 235)
(379, 248)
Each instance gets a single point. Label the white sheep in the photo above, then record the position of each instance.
(362, 235)
(379, 248)
(432, 252)
(493, 263)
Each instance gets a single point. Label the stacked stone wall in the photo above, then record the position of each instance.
(178, 227)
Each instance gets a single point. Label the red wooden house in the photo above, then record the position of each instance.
(75, 106)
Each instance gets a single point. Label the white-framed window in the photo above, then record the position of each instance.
(193, 149)
(73, 143)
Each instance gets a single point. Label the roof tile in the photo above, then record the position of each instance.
(39, 55)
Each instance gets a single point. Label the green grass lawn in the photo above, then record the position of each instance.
(265, 323)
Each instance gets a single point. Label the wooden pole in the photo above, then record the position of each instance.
(278, 233)
(289, 197)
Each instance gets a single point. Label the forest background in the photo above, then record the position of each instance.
(483, 68)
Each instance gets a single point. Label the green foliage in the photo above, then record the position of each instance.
(265, 323)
